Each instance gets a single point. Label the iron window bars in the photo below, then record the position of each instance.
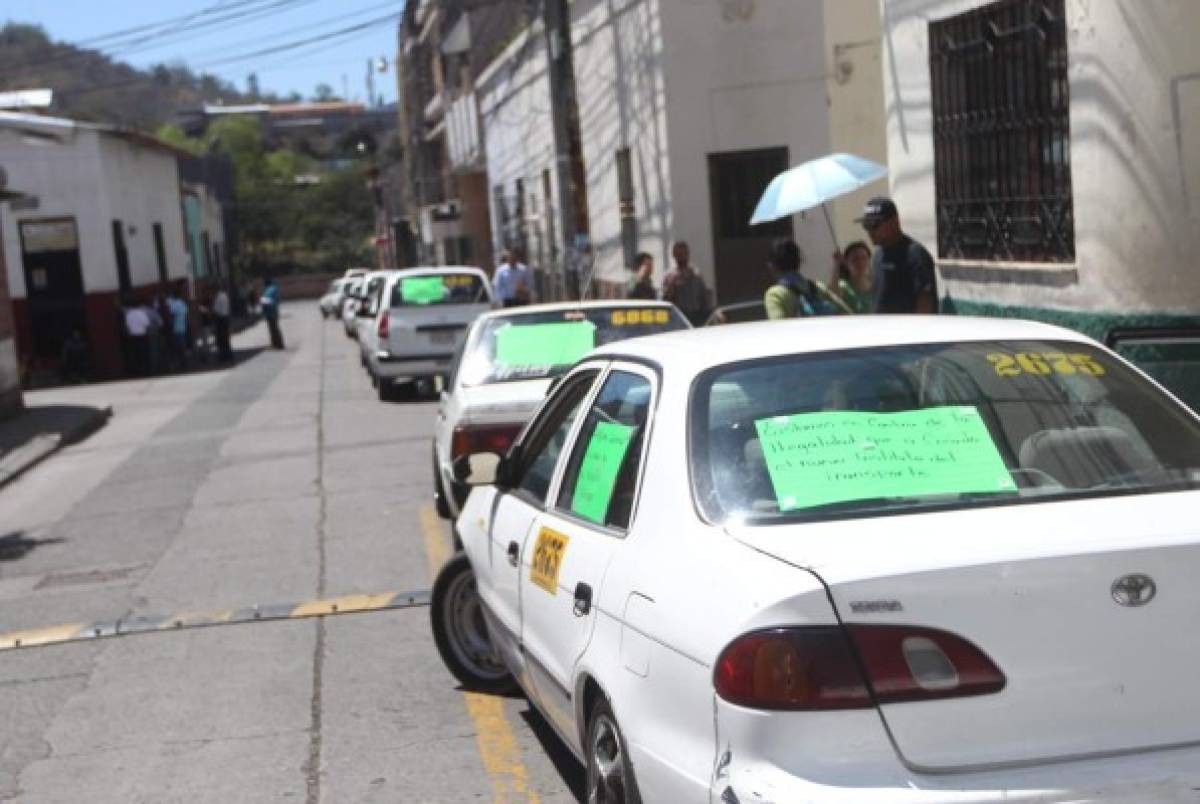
(1001, 128)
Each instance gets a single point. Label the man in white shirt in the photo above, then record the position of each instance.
(138, 325)
(221, 311)
(511, 282)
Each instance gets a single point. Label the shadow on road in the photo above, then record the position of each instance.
(568, 767)
(69, 423)
(16, 546)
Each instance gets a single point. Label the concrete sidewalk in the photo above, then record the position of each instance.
(40, 430)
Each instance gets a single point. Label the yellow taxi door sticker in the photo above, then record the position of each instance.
(547, 558)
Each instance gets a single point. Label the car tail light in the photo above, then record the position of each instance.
(815, 667)
(495, 438)
(385, 324)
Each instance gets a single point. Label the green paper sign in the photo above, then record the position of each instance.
(598, 474)
(821, 458)
(423, 289)
(556, 344)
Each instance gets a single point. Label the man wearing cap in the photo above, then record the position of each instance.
(904, 277)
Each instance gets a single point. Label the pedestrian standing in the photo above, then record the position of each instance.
(221, 312)
(178, 310)
(642, 286)
(269, 302)
(851, 280)
(791, 295)
(685, 288)
(138, 328)
(512, 282)
(903, 272)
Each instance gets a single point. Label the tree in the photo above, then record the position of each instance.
(323, 93)
(252, 86)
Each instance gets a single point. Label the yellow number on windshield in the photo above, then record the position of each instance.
(1043, 363)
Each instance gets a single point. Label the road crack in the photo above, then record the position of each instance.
(312, 765)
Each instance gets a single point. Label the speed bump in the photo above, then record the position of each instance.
(152, 623)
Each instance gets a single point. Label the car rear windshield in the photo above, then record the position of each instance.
(424, 290)
(909, 428)
(535, 345)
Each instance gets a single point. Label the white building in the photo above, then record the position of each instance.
(101, 218)
(1048, 153)
(687, 110)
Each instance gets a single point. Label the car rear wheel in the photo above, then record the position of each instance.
(609, 771)
(460, 633)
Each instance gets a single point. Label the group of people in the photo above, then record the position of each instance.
(897, 276)
(158, 333)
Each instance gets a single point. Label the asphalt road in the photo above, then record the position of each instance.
(280, 480)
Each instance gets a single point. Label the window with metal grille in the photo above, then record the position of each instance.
(1001, 132)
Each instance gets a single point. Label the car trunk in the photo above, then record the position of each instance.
(1032, 586)
(433, 330)
(502, 402)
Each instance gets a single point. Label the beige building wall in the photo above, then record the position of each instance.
(622, 104)
(742, 75)
(854, 83)
(1134, 75)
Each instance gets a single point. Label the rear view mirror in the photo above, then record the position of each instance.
(477, 469)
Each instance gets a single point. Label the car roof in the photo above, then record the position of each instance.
(693, 351)
(554, 307)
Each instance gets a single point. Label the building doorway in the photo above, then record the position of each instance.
(53, 285)
(736, 181)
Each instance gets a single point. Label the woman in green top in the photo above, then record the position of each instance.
(852, 280)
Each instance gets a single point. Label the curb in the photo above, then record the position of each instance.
(42, 446)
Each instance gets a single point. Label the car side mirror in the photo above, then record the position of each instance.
(483, 469)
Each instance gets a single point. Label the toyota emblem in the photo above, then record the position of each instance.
(1134, 590)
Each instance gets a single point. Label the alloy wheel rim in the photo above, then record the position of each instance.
(467, 630)
(608, 783)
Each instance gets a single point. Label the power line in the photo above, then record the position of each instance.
(224, 5)
(271, 7)
(343, 33)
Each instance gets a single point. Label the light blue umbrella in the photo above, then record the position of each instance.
(812, 184)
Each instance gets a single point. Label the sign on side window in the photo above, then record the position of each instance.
(839, 456)
(598, 473)
(556, 344)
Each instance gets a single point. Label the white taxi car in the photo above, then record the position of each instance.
(354, 291)
(417, 321)
(912, 560)
(507, 362)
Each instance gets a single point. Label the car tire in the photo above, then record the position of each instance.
(609, 778)
(459, 631)
(384, 388)
(439, 493)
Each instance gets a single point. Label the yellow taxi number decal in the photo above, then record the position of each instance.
(547, 558)
(1042, 363)
(457, 280)
(632, 318)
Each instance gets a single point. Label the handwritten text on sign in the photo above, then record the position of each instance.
(838, 456)
(598, 473)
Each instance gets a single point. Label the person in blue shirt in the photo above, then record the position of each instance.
(269, 302)
(511, 282)
(178, 311)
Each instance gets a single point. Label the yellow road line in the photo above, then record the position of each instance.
(494, 736)
(40, 636)
(343, 604)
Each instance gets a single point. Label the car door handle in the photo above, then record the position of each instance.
(583, 599)
(514, 553)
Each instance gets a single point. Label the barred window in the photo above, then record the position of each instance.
(1001, 131)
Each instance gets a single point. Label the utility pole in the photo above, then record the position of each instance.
(568, 143)
(370, 83)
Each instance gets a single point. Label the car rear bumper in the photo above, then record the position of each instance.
(389, 366)
(1157, 776)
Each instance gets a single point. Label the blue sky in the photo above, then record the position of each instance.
(216, 37)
